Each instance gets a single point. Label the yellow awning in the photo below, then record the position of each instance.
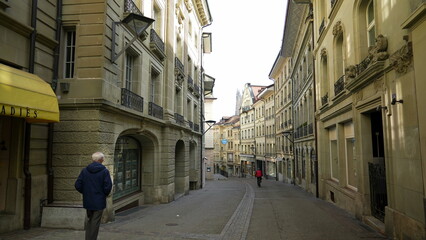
(26, 95)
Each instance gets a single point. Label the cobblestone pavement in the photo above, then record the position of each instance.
(232, 209)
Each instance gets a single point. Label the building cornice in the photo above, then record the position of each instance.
(203, 12)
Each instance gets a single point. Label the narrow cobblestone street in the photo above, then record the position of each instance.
(227, 209)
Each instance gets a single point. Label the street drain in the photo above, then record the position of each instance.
(171, 224)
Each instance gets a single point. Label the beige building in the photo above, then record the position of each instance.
(225, 138)
(268, 96)
(135, 95)
(303, 105)
(28, 79)
(247, 128)
(259, 150)
(280, 74)
(371, 135)
(208, 135)
(236, 146)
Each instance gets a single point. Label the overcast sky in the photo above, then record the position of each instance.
(246, 37)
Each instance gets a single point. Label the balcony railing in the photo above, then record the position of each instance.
(179, 73)
(179, 118)
(191, 124)
(310, 128)
(196, 90)
(155, 110)
(196, 127)
(190, 83)
(179, 65)
(333, 2)
(339, 86)
(156, 44)
(131, 100)
(324, 99)
(130, 7)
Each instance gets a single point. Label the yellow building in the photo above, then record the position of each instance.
(28, 79)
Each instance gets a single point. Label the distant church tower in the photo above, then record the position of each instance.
(238, 102)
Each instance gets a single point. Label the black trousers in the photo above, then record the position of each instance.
(93, 223)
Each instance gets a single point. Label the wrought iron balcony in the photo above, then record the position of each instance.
(130, 7)
(191, 124)
(156, 45)
(324, 99)
(131, 100)
(190, 83)
(179, 73)
(196, 127)
(155, 110)
(310, 128)
(196, 90)
(339, 86)
(179, 66)
(179, 118)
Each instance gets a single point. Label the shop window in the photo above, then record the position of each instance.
(127, 167)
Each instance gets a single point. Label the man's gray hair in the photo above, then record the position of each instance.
(97, 156)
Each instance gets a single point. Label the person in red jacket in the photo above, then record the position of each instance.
(258, 175)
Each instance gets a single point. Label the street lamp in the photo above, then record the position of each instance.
(289, 136)
(137, 24)
(210, 123)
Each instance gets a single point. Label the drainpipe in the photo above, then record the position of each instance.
(26, 167)
(50, 172)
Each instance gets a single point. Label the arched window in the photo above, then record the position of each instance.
(371, 24)
(339, 56)
(127, 169)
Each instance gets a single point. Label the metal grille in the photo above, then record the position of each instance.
(131, 100)
(378, 194)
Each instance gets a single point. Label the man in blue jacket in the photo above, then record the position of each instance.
(94, 182)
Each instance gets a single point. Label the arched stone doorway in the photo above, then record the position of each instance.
(180, 176)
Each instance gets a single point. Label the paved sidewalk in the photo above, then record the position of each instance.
(228, 209)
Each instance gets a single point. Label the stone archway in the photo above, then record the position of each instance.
(180, 173)
(134, 169)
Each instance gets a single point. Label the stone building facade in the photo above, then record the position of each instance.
(266, 130)
(369, 80)
(138, 98)
(28, 79)
(301, 73)
(247, 128)
(280, 74)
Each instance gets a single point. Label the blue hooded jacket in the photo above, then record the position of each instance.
(94, 182)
